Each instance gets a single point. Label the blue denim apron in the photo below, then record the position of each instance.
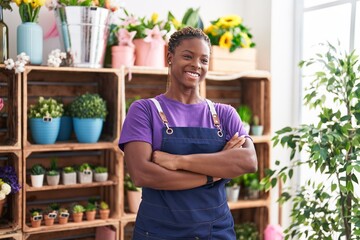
(198, 213)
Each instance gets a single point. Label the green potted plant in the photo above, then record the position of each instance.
(233, 189)
(246, 231)
(89, 112)
(36, 217)
(85, 173)
(245, 114)
(133, 194)
(37, 175)
(50, 215)
(251, 185)
(68, 175)
(90, 211)
(101, 174)
(78, 212)
(66, 125)
(63, 215)
(53, 174)
(325, 209)
(104, 210)
(256, 128)
(44, 120)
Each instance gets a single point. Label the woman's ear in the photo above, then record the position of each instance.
(169, 58)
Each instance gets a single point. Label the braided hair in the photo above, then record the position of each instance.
(186, 33)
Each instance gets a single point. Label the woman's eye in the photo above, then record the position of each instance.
(187, 56)
(205, 61)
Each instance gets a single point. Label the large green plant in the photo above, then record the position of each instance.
(46, 108)
(326, 209)
(89, 106)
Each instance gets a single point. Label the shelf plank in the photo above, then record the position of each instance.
(241, 204)
(72, 186)
(128, 217)
(70, 226)
(261, 139)
(68, 146)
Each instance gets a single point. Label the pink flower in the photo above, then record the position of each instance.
(130, 20)
(125, 37)
(1, 103)
(155, 34)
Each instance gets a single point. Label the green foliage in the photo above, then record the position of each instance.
(63, 210)
(251, 180)
(129, 184)
(46, 108)
(52, 173)
(103, 205)
(53, 170)
(234, 182)
(191, 18)
(37, 169)
(84, 166)
(54, 206)
(5, 4)
(256, 120)
(245, 113)
(332, 147)
(90, 207)
(35, 211)
(68, 169)
(85, 3)
(77, 208)
(88, 106)
(246, 231)
(100, 169)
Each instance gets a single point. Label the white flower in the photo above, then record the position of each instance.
(2, 195)
(55, 58)
(22, 57)
(19, 66)
(5, 188)
(9, 63)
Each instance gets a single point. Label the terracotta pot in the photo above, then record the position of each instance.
(104, 213)
(77, 217)
(149, 54)
(90, 215)
(48, 221)
(2, 203)
(134, 199)
(63, 220)
(35, 224)
(122, 55)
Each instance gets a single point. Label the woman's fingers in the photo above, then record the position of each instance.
(235, 142)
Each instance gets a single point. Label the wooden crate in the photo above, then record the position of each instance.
(126, 231)
(11, 219)
(66, 84)
(10, 115)
(109, 191)
(242, 59)
(252, 89)
(12, 236)
(84, 232)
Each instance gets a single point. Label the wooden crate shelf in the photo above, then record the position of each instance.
(10, 115)
(65, 84)
(11, 219)
(12, 236)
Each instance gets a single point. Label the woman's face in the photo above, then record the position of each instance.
(189, 63)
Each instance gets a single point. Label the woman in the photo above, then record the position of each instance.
(182, 149)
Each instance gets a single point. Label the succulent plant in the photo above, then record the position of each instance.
(37, 169)
(46, 108)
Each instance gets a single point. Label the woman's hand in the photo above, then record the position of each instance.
(235, 142)
(165, 160)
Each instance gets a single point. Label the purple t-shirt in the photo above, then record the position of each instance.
(143, 122)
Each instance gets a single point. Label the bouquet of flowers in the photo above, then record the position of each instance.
(229, 32)
(112, 5)
(9, 182)
(29, 9)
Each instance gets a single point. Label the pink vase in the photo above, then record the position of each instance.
(122, 55)
(273, 232)
(149, 54)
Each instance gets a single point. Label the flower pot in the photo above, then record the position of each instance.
(90, 215)
(149, 54)
(122, 55)
(77, 217)
(134, 199)
(88, 130)
(48, 221)
(232, 193)
(257, 130)
(44, 132)
(84, 32)
(30, 41)
(37, 180)
(251, 193)
(53, 180)
(105, 232)
(66, 127)
(104, 213)
(68, 178)
(85, 177)
(35, 223)
(63, 220)
(101, 177)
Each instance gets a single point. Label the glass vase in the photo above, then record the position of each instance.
(4, 38)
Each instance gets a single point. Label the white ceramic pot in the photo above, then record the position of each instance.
(101, 177)
(69, 178)
(134, 199)
(232, 193)
(85, 177)
(37, 180)
(53, 180)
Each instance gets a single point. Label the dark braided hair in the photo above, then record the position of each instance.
(186, 33)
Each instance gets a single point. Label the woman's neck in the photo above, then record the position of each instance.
(191, 96)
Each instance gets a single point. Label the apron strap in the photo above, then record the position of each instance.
(162, 116)
(214, 117)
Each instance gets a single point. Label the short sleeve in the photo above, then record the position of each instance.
(137, 125)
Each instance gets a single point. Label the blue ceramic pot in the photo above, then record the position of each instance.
(44, 132)
(88, 130)
(30, 41)
(66, 126)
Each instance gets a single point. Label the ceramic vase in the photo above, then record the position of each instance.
(30, 41)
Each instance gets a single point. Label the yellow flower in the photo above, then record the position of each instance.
(226, 40)
(245, 40)
(27, 1)
(18, 2)
(176, 23)
(154, 17)
(37, 3)
(229, 21)
(212, 29)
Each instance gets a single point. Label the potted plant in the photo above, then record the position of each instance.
(53, 175)
(37, 175)
(78, 212)
(50, 215)
(233, 189)
(9, 183)
(256, 128)
(245, 114)
(246, 231)
(251, 185)
(85, 173)
(327, 205)
(66, 125)
(44, 119)
(68, 175)
(133, 194)
(89, 113)
(90, 211)
(63, 215)
(36, 217)
(101, 174)
(104, 210)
